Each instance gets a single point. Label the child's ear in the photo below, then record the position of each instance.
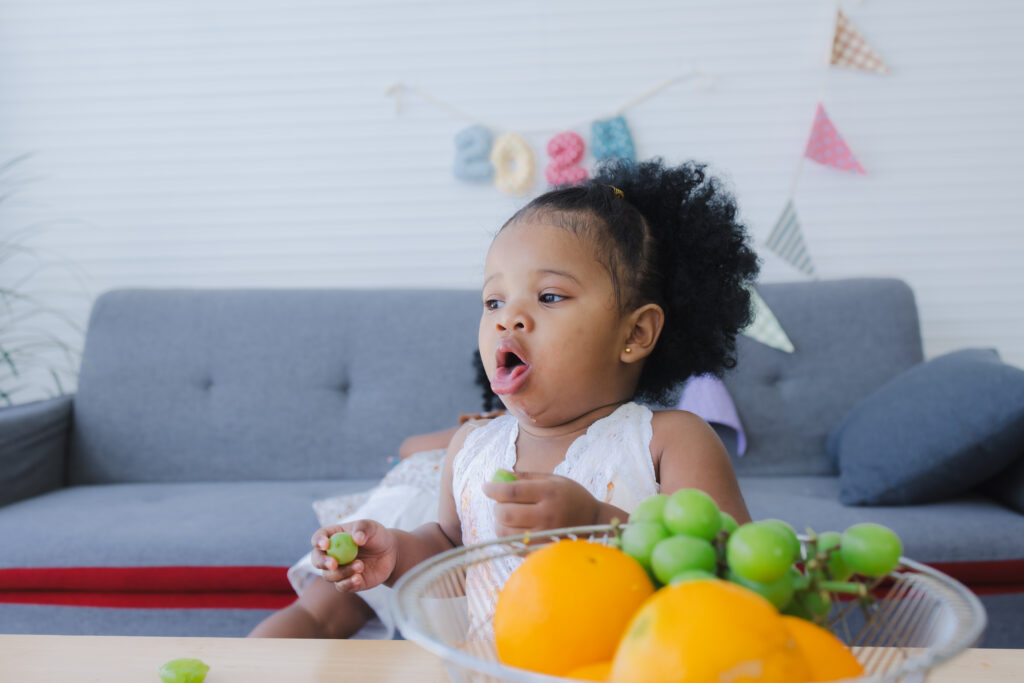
(643, 329)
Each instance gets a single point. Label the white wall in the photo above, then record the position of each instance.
(250, 143)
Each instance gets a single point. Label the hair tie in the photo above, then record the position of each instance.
(618, 193)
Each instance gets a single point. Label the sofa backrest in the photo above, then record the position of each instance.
(210, 385)
(851, 336)
(197, 385)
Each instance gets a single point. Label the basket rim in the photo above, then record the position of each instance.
(924, 660)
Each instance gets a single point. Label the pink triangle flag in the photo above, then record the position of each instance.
(826, 145)
(849, 49)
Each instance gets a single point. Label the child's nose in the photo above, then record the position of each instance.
(514, 318)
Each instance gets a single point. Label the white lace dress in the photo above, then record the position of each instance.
(612, 461)
(404, 499)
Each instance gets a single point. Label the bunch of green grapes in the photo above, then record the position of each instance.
(684, 536)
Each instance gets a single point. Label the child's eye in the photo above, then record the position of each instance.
(549, 298)
(492, 304)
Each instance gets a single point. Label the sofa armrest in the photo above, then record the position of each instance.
(33, 448)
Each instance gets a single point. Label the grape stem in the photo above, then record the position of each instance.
(847, 587)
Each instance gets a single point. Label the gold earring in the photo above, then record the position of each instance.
(629, 350)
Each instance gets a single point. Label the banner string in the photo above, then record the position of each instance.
(822, 78)
(701, 81)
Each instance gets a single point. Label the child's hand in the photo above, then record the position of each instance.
(374, 563)
(536, 502)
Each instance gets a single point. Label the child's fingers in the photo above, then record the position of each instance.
(512, 491)
(516, 518)
(350, 585)
(342, 574)
(360, 530)
(322, 537)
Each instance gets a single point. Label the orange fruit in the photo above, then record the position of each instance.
(567, 605)
(598, 671)
(707, 631)
(828, 658)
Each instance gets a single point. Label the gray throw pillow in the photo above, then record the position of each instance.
(936, 430)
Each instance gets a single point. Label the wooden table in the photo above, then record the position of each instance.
(111, 659)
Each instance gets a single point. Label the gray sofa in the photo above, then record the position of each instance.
(168, 495)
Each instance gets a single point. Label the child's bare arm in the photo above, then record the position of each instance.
(688, 454)
(426, 442)
(430, 539)
(386, 554)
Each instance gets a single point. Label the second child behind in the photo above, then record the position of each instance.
(594, 296)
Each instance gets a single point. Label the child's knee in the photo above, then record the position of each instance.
(336, 614)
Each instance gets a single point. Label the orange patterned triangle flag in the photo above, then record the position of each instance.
(851, 50)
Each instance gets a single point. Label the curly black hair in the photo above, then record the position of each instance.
(668, 235)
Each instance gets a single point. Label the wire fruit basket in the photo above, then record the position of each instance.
(919, 619)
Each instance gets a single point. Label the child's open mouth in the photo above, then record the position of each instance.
(511, 370)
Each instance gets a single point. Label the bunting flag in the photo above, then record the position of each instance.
(765, 327)
(851, 50)
(827, 147)
(787, 240)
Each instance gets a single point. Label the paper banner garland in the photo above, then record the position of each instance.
(787, 240)
(610, 139)
(765, 327)
(851, 50)
(512, 157)
(566, 151)
(472, 147)
(827, 147)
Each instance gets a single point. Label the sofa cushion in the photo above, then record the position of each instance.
(198, 524)
(933, 431)
(969, 528)
(161, 545)
(851, 337)
(205, 385)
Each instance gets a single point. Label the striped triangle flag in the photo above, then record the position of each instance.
(827, 147)
(851, 50)
(787, 240)
(765, 327)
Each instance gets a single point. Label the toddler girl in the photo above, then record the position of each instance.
(593, 296)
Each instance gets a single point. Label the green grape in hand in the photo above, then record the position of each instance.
(342, 548)
(693, 513)
(759, 552)
(677, 554)
(870, 549)
(729, 522)
(503, 475)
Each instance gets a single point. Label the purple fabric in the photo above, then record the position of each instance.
(706, 395)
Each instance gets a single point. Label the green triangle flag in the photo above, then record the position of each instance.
(787, 240)
(765, 327)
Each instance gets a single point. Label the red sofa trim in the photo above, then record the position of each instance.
(153, 587)
(268, 587)
(149, 600)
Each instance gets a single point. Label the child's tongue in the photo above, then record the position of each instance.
(508, 379)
